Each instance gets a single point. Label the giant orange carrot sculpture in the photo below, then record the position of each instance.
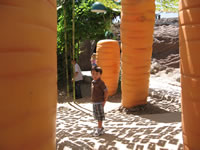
(136, 35)
(27, 74)
(189, 11)
(108, 58)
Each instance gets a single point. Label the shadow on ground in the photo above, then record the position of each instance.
(122, 131)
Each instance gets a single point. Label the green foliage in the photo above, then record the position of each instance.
(167, 5)
(161, 5)
(88, 25)
(110, 4)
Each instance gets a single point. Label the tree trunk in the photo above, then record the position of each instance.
(66, 52)
(73, 44)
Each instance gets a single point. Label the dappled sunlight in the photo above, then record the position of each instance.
(122, 131)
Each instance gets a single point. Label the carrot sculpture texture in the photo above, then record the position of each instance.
(108, 58)
(189, 11)
(137, 24)
(28, 75)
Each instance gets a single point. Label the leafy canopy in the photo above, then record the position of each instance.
(161, 5)
(167, 5)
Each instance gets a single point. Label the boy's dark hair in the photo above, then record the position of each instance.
(97, 69)
(74, 60)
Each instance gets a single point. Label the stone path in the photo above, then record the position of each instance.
(136, 132)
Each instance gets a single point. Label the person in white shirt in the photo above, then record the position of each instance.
(78, 77)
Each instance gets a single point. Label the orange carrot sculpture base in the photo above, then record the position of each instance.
(108, 58)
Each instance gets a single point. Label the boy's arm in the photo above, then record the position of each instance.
(75, 75)
(75, 71)
(105, 96)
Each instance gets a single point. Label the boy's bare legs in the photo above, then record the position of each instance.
(99, 124)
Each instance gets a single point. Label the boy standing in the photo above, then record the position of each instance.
(99, 97)
(78, 77)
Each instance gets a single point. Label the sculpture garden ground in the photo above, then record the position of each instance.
(156, 125)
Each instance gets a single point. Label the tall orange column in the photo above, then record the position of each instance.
(137, 25)
(108, 58)
(189, 11)
(28, 90)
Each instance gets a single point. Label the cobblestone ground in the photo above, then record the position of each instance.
(155, 126)
(123, 131)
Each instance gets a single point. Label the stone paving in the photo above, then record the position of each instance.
(75, 125)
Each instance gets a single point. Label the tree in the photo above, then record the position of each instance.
(88, 25)
(167, 5)
(161, 5)
(110, 4)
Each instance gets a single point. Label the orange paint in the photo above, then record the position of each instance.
(28, 75)
(108, 58)
(190, 71)
(137, 24)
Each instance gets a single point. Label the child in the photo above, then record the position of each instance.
(78, 77)
(93, 60)
(99, 98)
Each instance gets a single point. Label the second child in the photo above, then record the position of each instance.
(93, 60)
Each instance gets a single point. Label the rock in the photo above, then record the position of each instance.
(156, 67)
(153, 71)
(178, 79)
(168, 70)
(167, 21)
(166, 37)
(172, 60)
